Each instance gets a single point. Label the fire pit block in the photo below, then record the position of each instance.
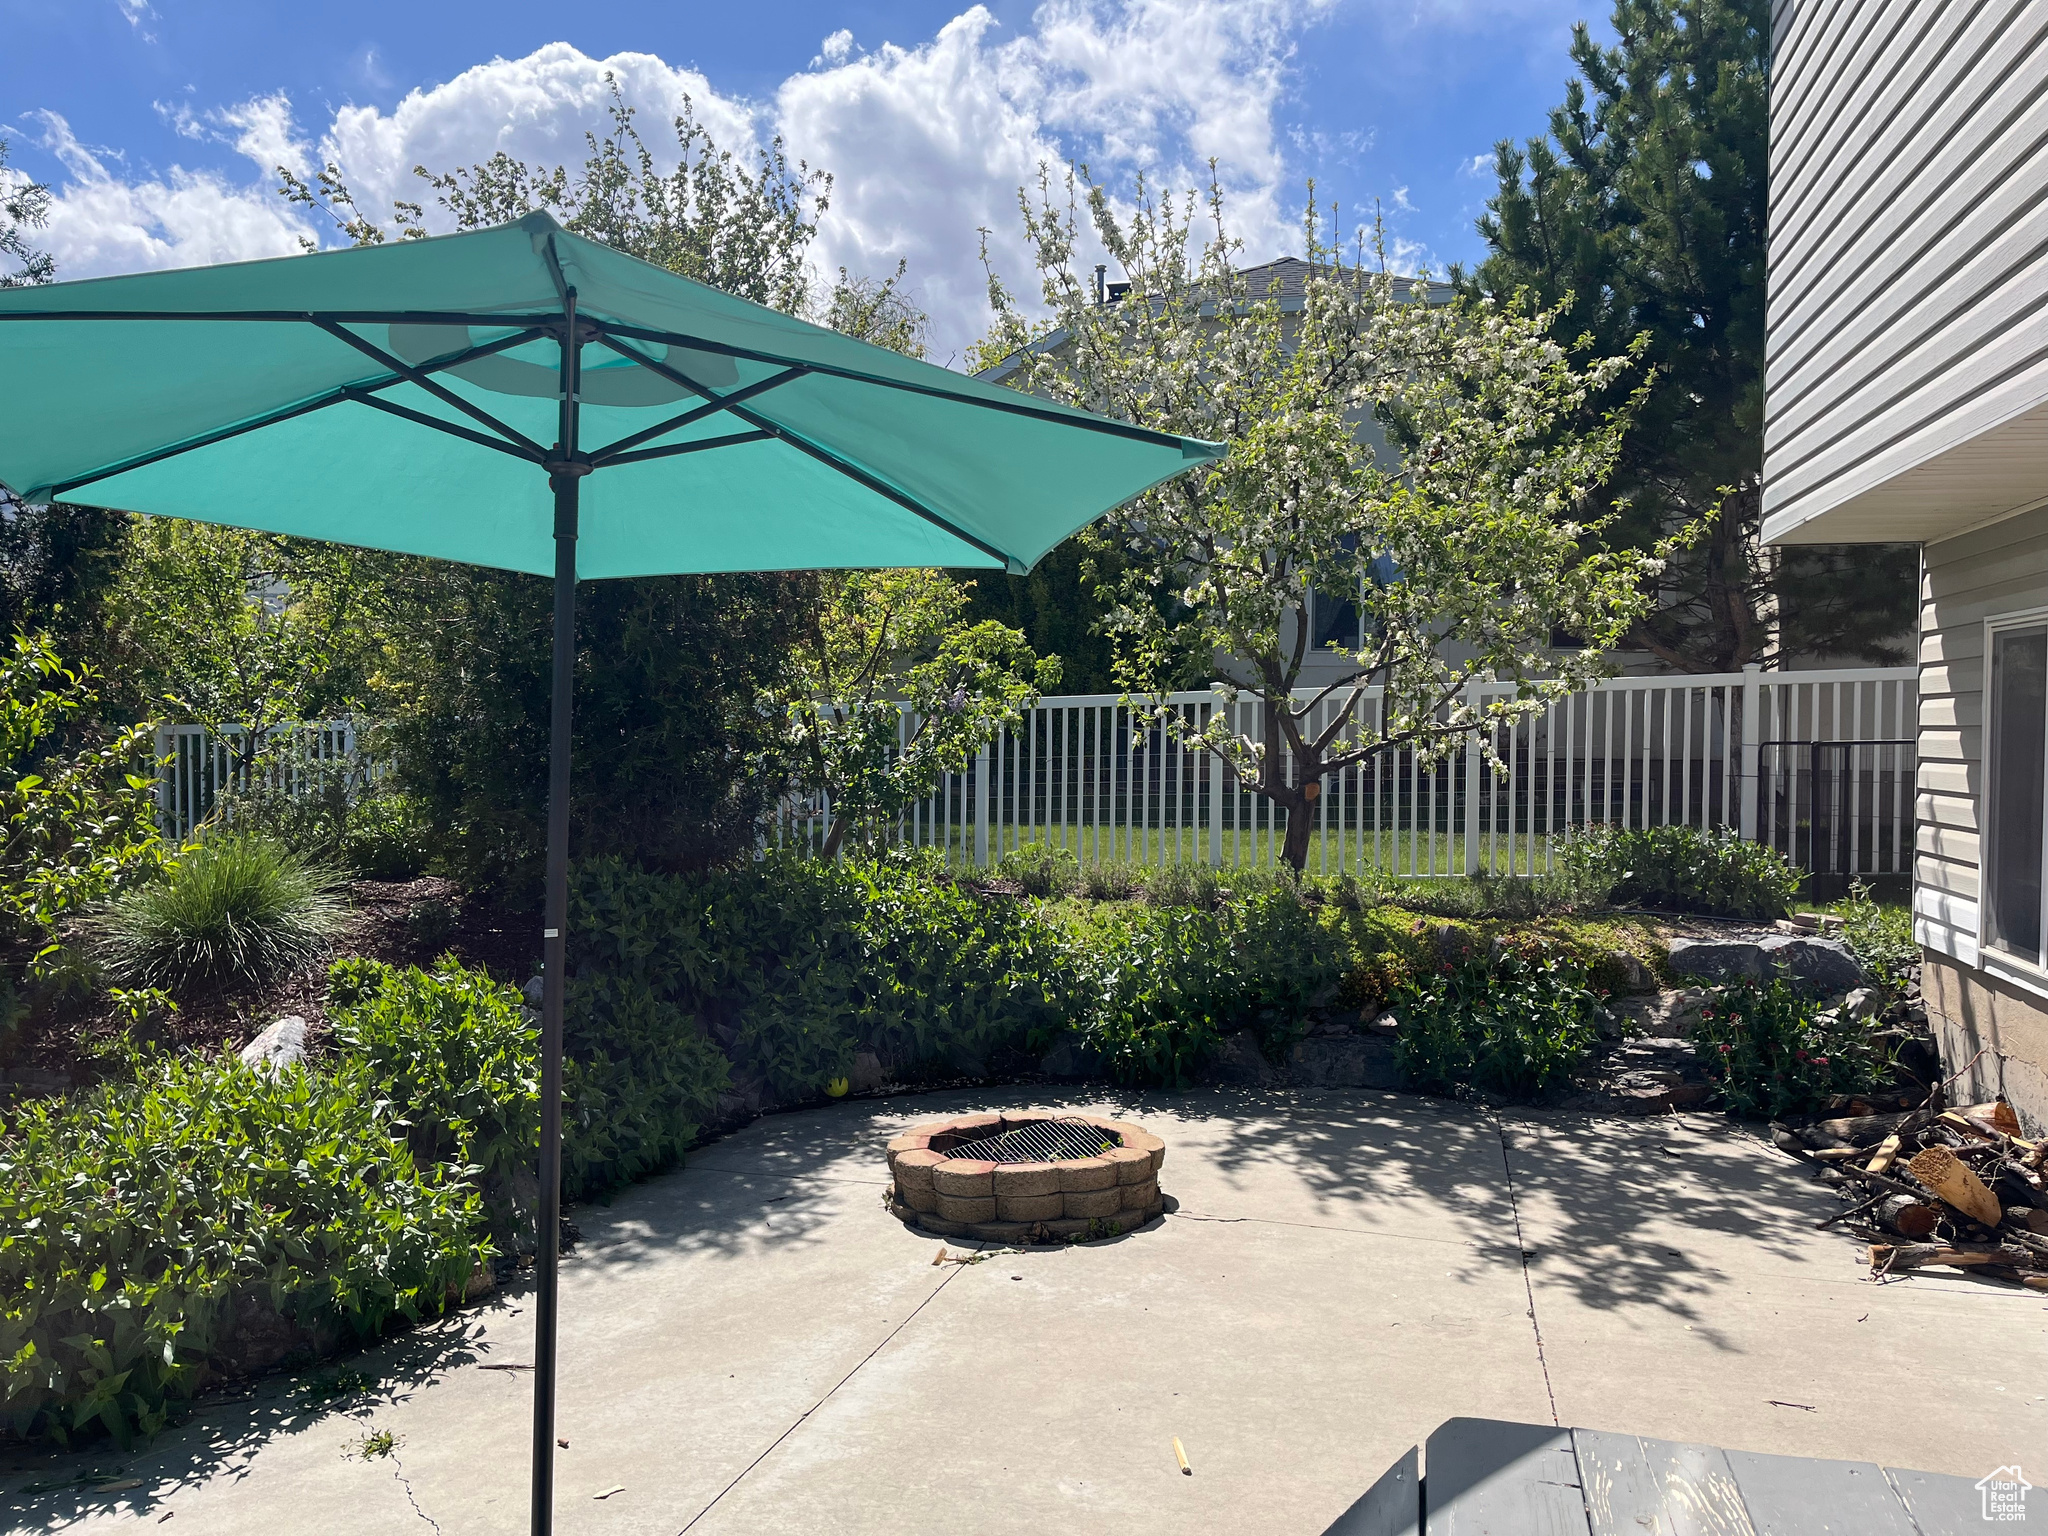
(1026, 1176)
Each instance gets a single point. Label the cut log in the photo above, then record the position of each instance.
(1881, 1159)
(1908, 1217)
(1958, 1255)
(1851, 1131)
(1950, 1178)
(2028, 1218)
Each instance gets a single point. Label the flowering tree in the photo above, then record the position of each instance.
(1465, 557)
(883, 639)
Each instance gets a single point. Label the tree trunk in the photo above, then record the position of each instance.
(1300, 800)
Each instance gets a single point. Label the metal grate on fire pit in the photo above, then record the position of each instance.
(1041, 1141)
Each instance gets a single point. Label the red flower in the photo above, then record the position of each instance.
(1726, 1049)
(1820, 1061)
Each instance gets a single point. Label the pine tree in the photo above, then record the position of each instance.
(1645, 207)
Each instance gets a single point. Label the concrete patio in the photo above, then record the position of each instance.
(753, 1345)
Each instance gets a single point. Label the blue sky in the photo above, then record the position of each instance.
(156, 120)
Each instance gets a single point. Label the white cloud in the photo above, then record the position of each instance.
(138, 12)
(1401, 200)
(927, 143)
(1478, 165)
(101, 222)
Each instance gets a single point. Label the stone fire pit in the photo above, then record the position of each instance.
(1033, 1176)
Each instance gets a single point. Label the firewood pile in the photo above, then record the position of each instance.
(1931, 1186)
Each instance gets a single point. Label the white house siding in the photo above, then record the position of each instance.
(1907, 352)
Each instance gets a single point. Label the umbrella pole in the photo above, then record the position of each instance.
(565, 476)
(553, 979)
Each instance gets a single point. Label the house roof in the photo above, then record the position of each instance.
(1285, 279)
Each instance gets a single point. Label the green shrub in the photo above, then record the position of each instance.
(1882, 938)
(1513, 1023)
(1157, 988)
(1112, 881)
(1185, 885)
(458, 1066)
(1684, 869)
(75, 826)
(1150, 994)
(458, 1059)
(1773, 1052)
(386, 836)
(166, 1228)
(238, 904)
(1041, 870)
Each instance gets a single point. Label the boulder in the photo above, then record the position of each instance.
(1860, 1004)
(1817, 966)
(531, 991)
(867, 1074)
(1386, 1025)
(1346, 1061)
(282, 1045)
(1718, 960)
(1665, 1015)
(1237, 1062)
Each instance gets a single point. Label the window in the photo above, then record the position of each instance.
(2016, 793)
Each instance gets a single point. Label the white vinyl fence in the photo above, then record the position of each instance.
(1817, 764)
(197, 767)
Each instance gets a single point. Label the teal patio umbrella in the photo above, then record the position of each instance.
(524, 398)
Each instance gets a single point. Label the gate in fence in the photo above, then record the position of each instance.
(1712, 751)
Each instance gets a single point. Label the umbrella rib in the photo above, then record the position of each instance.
(355, 392)
(609, 453)
(364, 397)
(823, 455)
(432, 386)
(731, 441)
(1017, 407)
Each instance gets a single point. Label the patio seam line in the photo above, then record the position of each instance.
(1522, 1253)
(804, 1417)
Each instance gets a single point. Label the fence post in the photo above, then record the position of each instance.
(1751, 708)
(981, 804)
(1472, 766)
(1215, 796)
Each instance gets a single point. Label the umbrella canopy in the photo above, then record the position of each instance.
(401, 397)
(524, 398)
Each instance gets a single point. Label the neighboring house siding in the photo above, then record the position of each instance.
(1908, 272)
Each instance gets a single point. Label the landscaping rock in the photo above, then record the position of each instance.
(1386, 1024)
(282, 1045)
(867, 1074)
(1348, 1061)
(531, 991)
(1719, 960)
(1238, 1063)
(1819, 966)
(1860, 1004)
(1667, 1015)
